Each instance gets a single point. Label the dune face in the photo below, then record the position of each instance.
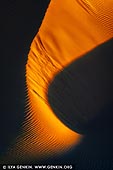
(67, 33)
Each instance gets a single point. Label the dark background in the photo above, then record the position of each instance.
(20, 22)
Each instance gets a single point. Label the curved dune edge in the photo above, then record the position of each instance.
(67, 32)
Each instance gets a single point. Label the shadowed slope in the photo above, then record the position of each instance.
(84, 88)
